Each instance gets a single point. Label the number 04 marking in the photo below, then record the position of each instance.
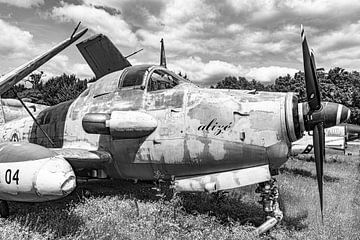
(9, 177)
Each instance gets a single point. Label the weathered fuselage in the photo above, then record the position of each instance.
(199, 131)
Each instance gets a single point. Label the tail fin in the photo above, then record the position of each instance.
(162, 54)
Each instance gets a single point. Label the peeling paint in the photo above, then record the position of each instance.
(198, 130)
(195, 147)
(217, 150)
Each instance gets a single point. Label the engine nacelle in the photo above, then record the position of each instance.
(32, 173)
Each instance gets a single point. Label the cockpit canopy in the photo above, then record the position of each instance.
(133, 76)
(153, 78)
(147, 77)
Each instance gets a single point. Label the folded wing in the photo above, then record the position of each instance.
(102, 55)
(15, 76)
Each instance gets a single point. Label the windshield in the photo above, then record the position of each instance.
(162, 79)
(134, 76)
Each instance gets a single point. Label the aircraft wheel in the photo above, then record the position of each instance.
(4, 209)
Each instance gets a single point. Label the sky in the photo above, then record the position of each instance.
(205, 39)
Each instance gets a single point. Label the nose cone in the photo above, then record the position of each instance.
(55, 179)
(334, 113)
(331, 114)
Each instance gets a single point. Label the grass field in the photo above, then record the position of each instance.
(125, 210)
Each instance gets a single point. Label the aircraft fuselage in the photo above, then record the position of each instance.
(199, 131)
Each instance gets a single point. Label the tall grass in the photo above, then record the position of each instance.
(124, 210)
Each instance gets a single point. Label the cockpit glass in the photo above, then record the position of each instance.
(134, 77)
(161, 79)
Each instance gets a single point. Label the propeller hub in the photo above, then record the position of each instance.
(330, 114)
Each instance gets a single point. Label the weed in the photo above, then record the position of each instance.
(125, 210)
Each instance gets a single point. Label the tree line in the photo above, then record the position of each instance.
(54, 91)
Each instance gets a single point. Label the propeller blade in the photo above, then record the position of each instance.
(311, 82)
(319, 151)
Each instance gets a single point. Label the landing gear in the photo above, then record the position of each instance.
(86, 193)
(4, 209)
(269, 194)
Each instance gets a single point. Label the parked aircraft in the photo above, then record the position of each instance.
(30, 172)
(336, 140)
(144, 121)
(352, 132)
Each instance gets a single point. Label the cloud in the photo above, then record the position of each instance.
(212, 39)
(82, 70)
(23, 3)
(62, 64)
(270, 13)
(211, 72)
(137, 13)
(269, 74)
(340, 39)
(98, 20)
(205, 73)
(187, 26)
(14, 42)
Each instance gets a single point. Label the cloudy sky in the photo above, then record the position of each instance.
(206, 39)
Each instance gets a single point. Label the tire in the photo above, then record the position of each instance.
(4, 209)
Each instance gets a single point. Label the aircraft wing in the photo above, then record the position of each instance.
(15, 76)
(81, 158)
(102, 55)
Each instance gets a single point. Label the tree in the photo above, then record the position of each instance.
(35, 80)
(240, 83)
(55, 90)
(62, 88)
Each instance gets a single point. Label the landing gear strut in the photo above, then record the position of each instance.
(4, 209)
(269, 194)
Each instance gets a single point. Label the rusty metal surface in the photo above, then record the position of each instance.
(80, 158)
(199, 131)
(223, 180)
(12, 109)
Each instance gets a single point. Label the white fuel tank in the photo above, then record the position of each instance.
(32, 173)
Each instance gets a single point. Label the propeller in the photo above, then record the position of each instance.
(315, 106)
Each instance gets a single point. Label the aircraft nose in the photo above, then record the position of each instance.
(55, 178)
(331, 114)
